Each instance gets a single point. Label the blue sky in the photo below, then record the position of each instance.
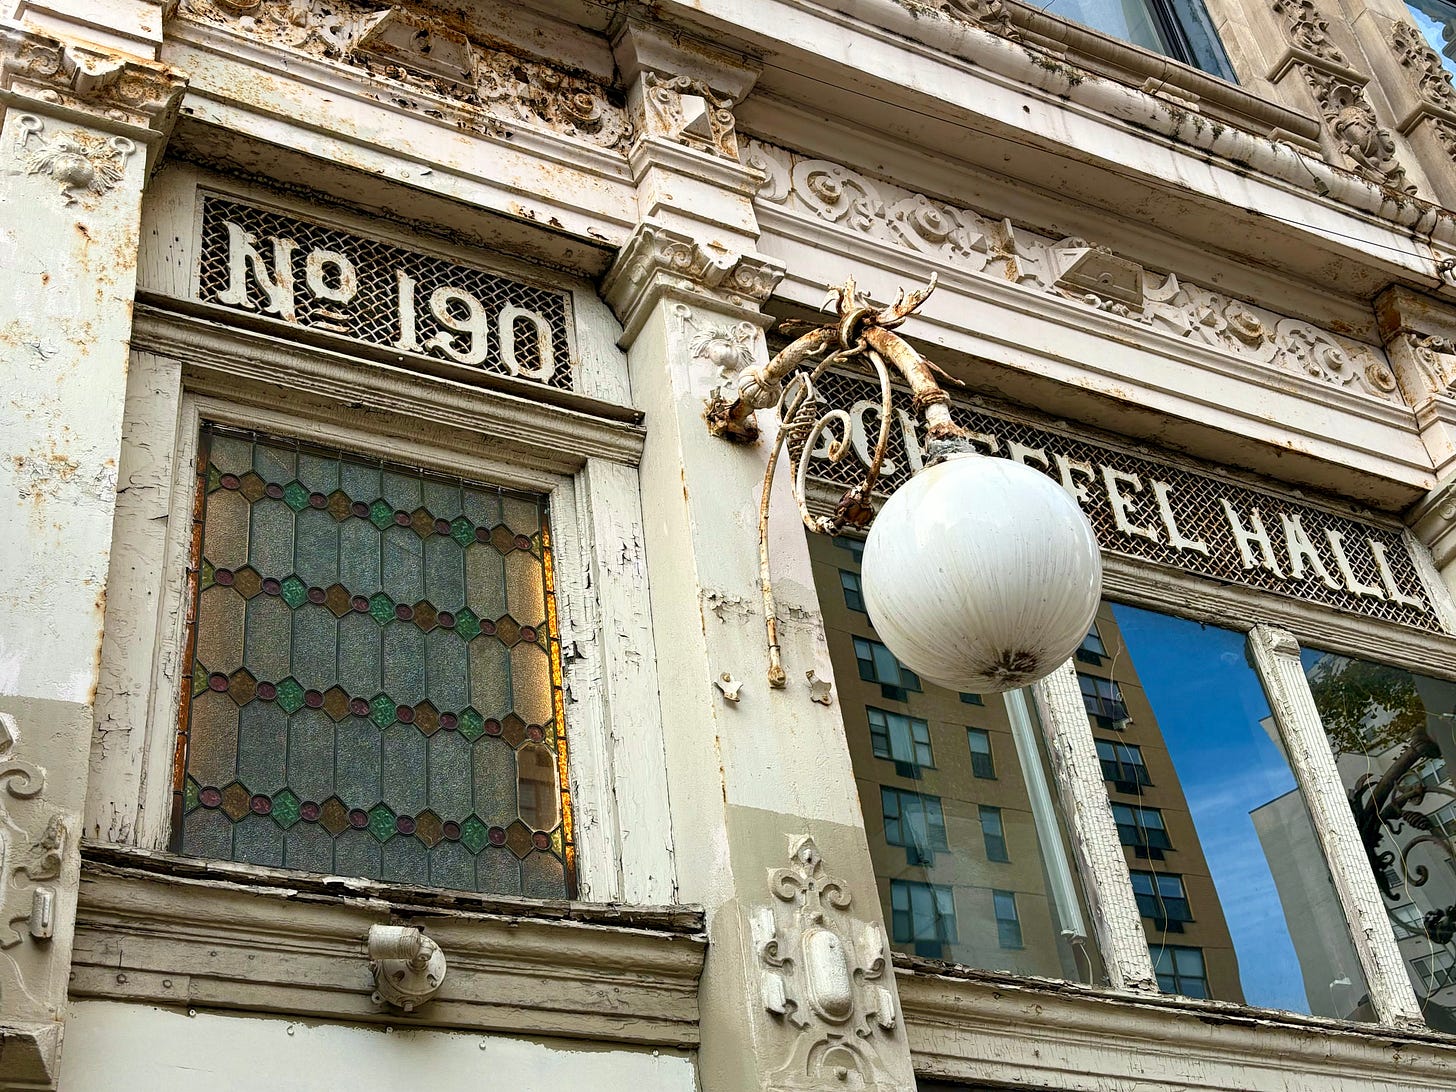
(1208, 703)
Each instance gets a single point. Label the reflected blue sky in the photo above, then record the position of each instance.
(1208, 704)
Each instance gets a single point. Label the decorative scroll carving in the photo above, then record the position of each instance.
(1073, 268)
(1423, 64)
(83, 164)
(1308, 30)
(414, 50)
(30, 860)
(686, 111)
(825, 975)
(657, 248)
(1351, 121)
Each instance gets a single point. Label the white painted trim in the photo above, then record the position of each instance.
(992, 1028)
(1078, 772)
(1275, 654)
(608, 859)
(244, 938)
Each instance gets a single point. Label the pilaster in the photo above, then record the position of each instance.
(798, 991)
(1419, 332)
(80, 130)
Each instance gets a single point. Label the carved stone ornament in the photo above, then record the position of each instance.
(989, 15)
(1072, 268)
(1426, 364)
(30, 862)
(83, 164)
(1431, 80)
(726, 348)
(823, 973)
(1351, 120)
(688, 112)
(1308, 30)
(487, 86)
(658, 258)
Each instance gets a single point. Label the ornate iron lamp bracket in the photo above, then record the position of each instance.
(861, 334)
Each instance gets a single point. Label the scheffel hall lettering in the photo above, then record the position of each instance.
(1141, 508)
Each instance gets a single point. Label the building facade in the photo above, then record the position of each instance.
(408, 675)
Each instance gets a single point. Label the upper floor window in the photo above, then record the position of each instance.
(993, 832)
(853, 595)
(1141, 828)
(1092, 650)
(1161, 896)
(1180, 970)
(1008, 923)
(374, 668)
(983, 762)
(914, 821)
(1122, 764)
(904, 740)
(1103, 699)
(877, 664)
(922, 914)
(1180, 29)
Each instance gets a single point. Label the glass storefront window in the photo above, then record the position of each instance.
(964, 829)
(1237, 899)
(1393, 733)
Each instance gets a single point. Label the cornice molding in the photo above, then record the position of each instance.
(1050, 1030)
(162, 930)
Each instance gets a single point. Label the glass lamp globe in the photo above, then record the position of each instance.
(981, 574)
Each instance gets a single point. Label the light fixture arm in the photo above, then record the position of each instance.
(862, 333)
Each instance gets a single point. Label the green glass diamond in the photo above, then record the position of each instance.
(285, 809)
(295, 496)
(189, 795)
(381, 608)
(381, 822)
(471, 724)
(466, 624)
(214, 478)
(461, 531)
(290, 695)
(199, 677)
(209, 574)
(473, 834)
(558, 841)
(381, 710)
(294, 592)
(381, 514)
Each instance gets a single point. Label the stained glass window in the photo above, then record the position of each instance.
(375, 674)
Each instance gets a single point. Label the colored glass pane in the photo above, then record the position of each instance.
(376, 675)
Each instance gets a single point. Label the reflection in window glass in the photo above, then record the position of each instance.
(1392, 734)
(1237, 897)
(1176, 28)
(969, 851)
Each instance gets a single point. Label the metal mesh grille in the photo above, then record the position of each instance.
(373, 306)
(1195, 500)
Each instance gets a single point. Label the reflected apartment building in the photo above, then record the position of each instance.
(963, 828)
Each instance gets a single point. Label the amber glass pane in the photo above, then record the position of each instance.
(376, 676)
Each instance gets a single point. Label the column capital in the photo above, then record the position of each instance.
(661, 262)
(138, 100)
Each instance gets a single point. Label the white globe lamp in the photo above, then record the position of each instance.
(981, 574)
